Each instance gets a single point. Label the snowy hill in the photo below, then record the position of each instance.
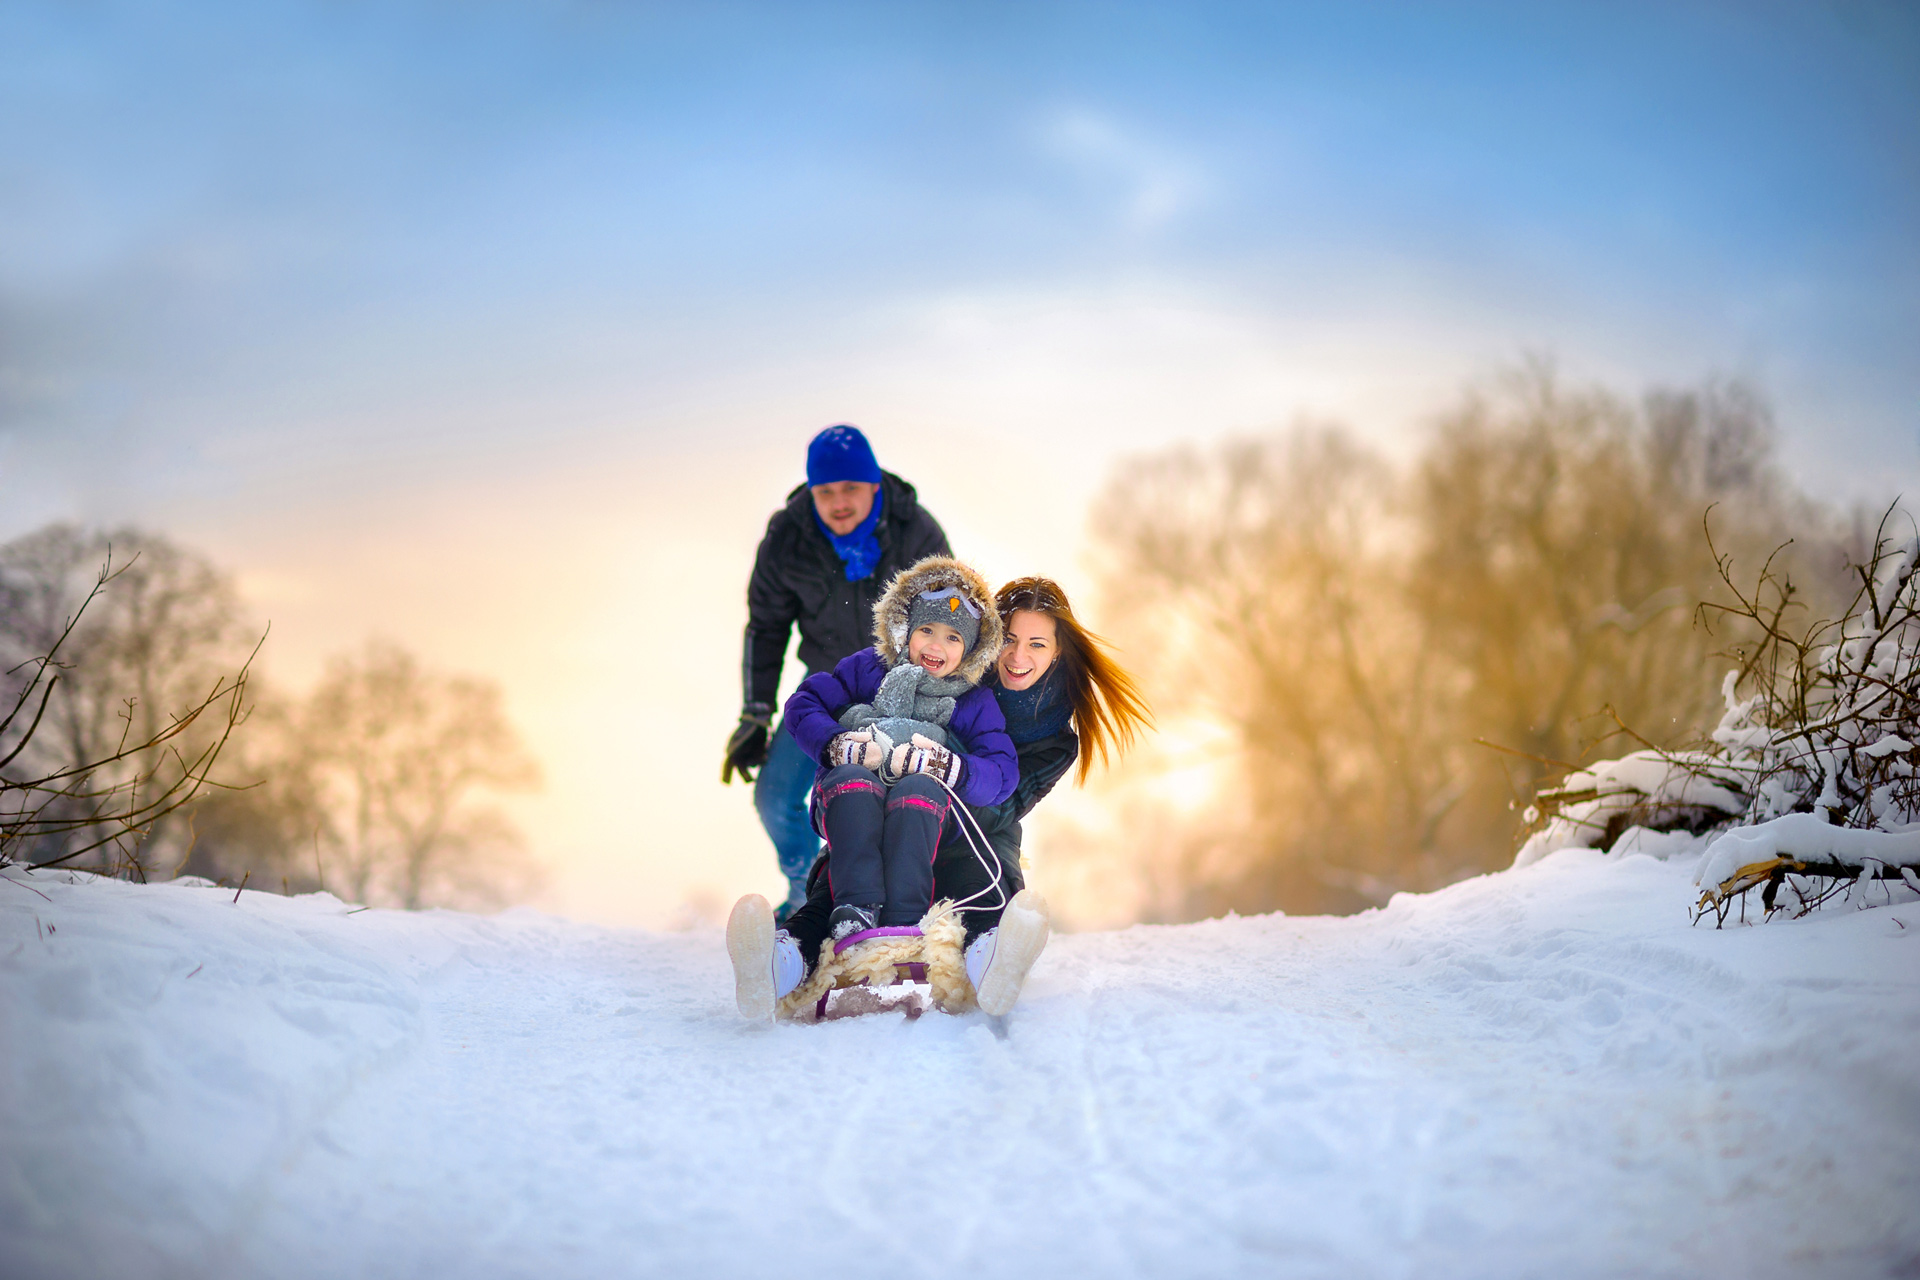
(1541, 1072)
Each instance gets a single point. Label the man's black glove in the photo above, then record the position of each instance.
(747, 748)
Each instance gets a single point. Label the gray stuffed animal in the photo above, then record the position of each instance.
(910, 700)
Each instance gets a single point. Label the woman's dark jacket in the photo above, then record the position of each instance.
(1042, 763)
(977, 732)
(797, 578)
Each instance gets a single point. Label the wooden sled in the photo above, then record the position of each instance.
(929, 954)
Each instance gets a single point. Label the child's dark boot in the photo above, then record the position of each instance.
(849, 919)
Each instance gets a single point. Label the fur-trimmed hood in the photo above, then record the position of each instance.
(936, 573)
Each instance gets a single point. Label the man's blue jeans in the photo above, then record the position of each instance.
(780, 795)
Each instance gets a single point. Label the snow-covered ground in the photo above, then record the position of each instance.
(1545, 1072)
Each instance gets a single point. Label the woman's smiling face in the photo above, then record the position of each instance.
(937, 647)
(1029, 649)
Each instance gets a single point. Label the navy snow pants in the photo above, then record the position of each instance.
(881, 840)
(957, 873)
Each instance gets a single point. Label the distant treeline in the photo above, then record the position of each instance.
(142, 743)
(1402, 651)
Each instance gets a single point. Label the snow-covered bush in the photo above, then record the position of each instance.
(1831, 716)
(1807, 788)
(1628, 804)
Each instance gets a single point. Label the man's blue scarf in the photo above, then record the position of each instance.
(860, 550)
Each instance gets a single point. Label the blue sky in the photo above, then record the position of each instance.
(262, 212)
(394, 308)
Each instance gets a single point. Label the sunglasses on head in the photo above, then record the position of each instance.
(1036, 596)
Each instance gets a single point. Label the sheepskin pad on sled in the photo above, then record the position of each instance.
(939, 947)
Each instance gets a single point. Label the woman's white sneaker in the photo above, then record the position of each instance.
(998, 960)
(750, 946)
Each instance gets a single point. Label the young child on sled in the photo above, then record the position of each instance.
(901, 730)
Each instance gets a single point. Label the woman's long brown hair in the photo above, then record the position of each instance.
(1108, 709)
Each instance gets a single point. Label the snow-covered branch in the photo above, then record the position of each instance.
(1807, 786)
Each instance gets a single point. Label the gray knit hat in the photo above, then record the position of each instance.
(950, 606)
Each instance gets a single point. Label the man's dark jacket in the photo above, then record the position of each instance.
(798, 578)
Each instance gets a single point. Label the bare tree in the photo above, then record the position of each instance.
(101, 807)
(263, 828)
(1529, 581)
(116, 711)
(1269, 576)
(396, 754)
(1560, 560)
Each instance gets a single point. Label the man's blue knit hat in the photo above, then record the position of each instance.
(841, 453)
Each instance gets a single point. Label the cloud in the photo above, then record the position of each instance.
(1154, 186)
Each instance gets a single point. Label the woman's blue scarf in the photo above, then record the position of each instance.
(1038, 711)
(860, 550)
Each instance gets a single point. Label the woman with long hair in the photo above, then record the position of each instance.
(1060, 690)
(1064, 698)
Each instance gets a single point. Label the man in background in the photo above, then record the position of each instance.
(827, 556)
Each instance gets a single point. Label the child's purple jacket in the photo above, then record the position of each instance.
(978, 731)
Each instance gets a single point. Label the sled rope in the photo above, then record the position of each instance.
(990, 866)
